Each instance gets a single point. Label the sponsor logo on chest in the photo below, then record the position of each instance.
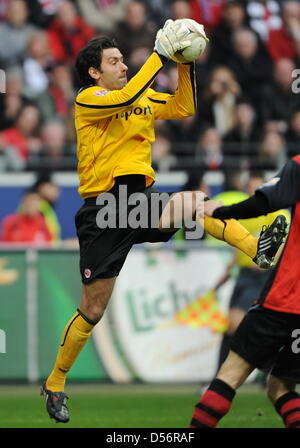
(136, 111)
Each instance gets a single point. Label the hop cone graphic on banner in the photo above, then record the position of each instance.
(204, 312)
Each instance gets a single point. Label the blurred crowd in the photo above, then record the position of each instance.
(248, 116)
(248, 103)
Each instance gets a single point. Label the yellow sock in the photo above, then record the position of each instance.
(233, 233)
(75, 336)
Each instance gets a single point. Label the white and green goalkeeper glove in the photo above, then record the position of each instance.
(171, 38)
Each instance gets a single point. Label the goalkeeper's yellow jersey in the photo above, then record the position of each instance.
(115, 129)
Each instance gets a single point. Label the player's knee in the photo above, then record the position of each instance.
(235, 370)
(92, 312)
(93, 306)
(95, 298)
(182, 209)
(276, 387)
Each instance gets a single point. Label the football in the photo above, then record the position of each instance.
(198, 40)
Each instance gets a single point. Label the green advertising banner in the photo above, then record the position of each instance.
(161, 296)
(40, 291)
(13, 315)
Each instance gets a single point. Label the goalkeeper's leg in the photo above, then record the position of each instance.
(77, 332)
(233, 233)
(261, 250)
(95, 297)
(187, 204)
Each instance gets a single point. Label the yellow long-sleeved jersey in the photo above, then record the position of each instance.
(115, 129)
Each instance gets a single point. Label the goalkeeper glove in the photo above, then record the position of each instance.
(171, 38)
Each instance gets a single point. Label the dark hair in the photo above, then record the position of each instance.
(91, 56)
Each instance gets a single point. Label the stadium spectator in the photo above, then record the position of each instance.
(14, 33)
(219, 98)
(3, 10)
(10, 159)
(134, 30)
(60, 95)
(264, 16)
(103, 15)
(158, 11)
(180, 9)
(68, 33)
(137, 57)
(209, 152)
(162, 158)
(204, 66)
(53, 151)
(196, 181)
(49, 193)
(13, 100)
(251, 66)
(207, 12)
(278, 100)
(24, 134)
(285, 41)
(272, 154)
(292, 135)
(182, 133)
(220, 46)
(27, 225)
(36, 65)
(242, 140)
(42, 12)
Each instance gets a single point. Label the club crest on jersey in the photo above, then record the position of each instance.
(87, 273)
(101, 92)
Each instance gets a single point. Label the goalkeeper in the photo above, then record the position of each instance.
(115, 128)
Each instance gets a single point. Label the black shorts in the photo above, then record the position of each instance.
(103, 250)
(267, 339)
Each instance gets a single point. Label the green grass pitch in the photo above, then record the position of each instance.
(130, 406)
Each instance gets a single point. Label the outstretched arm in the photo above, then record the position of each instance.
(95, 102)
(282, 191)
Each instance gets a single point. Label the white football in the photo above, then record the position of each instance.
(198, 40)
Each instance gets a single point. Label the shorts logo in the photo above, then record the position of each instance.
(87, 273)
(101, 92)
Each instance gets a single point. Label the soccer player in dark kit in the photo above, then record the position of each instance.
(115, 128)
(268, 336)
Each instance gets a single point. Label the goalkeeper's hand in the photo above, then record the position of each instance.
(171, 38)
